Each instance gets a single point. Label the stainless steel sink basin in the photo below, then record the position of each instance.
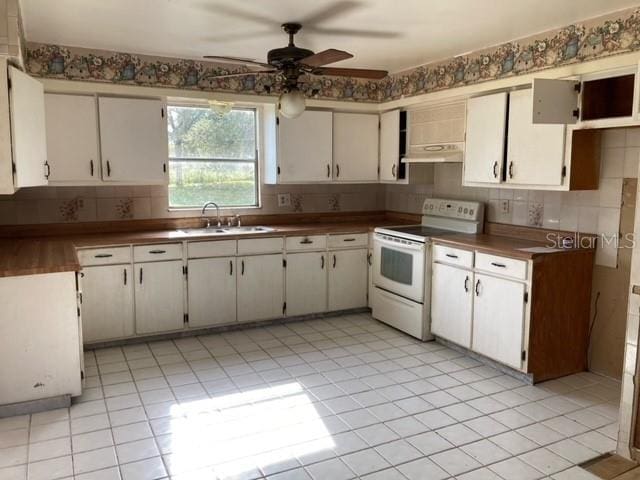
(198, 232)
(248, 229)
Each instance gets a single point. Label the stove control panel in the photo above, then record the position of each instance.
(459, 209)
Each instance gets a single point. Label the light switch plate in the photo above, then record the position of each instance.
(284, 199)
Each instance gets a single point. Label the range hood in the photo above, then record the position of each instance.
(444, 153)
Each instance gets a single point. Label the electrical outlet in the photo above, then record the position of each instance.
(284, 199)
(504, 206)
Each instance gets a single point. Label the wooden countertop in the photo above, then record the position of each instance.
(502, 245)
(29, 256)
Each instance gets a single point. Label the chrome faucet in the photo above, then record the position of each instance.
(204, 208)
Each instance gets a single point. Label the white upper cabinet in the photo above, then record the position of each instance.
(535, 153)
(305, 147)
(486, 133)
(389, 145)
(28, 136)
(72, 138)
(355, 147)
(133, 135)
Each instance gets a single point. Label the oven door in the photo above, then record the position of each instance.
(398, 266)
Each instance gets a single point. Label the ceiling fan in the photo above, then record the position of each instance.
(291, 62)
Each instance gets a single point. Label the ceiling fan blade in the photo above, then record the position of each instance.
(243, 74)
(331, 11)
(325, 57)
(352, 72)
(220, 8)
(346, 32)
(237, 60)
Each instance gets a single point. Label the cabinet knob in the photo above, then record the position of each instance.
(334, 261)
(477, 289)
(466, 284)
(495, 169)
(393, 170)
(322, 262)
(91, 167)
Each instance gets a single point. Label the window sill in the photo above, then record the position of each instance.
(222, 209)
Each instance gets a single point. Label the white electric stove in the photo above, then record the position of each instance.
(402, 263)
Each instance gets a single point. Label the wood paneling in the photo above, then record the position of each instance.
(560, 313)
(585, 159)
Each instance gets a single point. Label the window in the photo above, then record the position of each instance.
(212, 157)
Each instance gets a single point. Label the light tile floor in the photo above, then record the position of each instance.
(336, 398)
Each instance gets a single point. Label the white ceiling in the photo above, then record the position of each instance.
(399, 33)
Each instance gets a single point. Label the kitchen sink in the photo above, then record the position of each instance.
(247, 229)
(198, 232)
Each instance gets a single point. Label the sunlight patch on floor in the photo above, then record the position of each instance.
(234, 433)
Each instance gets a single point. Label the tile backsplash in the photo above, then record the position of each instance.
(105, 203)
(591, 211)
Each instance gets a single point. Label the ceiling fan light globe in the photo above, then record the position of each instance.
(291, 104)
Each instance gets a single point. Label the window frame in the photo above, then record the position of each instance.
(255, 160)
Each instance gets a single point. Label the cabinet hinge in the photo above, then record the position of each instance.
(576, 113)
(164, 168)
(78, 312)
(185, 270)
(13, 167)
(278, 169)
(277, 120)
(564, 171)
(526, 297)
(284, 308)
(578, 87)
(284, 263)
(9, 83)
(524, 355)
(81, 374)
(186, 318)
(162, 112)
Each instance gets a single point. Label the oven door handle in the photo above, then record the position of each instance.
(398, 245)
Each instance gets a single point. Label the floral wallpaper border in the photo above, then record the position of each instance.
(611, 34)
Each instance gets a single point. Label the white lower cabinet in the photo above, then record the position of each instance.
(159, 296)
(498, 319)
(212, 291)
(452, 303)
(306, 283)
(348, 279)
(260, 287)
(107, 302)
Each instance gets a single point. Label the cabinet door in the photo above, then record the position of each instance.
(498, 319)
(260, 287)
(306, 283)
(348, 279)
(484, 145)
(28, 130)
(159, 296)
(451, 304)
(212, 291)
(355, 147)
(535, 153)
(556, 101)
(305, 147)
(370, 277)
(107, 302)
(133, 139)
(389, 145)
(72, 138)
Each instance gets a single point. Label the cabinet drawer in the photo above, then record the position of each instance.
(454, 256)
(350, 240)
(222, 248)
(501, 265)
(104, 256)
(161, 251)
(311, 242)
(260, 245)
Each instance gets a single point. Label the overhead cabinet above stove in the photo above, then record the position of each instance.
(604, 99)
(505, 148)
